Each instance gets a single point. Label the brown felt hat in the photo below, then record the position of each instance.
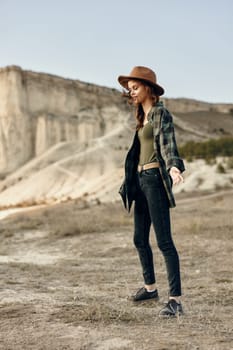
(144, 74)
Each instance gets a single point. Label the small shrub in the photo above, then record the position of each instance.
(200, 181)
(220, 169)
(210, 161)
(230, 163)
(189, 159)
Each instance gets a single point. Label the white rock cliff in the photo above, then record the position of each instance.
(38, 111)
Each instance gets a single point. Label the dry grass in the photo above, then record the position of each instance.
(94, 312)
(80, 301)
(68, 219)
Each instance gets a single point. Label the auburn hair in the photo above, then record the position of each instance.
(139, 112)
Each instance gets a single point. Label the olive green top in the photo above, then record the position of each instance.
(147, 152)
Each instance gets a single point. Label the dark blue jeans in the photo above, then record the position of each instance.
(152, 206)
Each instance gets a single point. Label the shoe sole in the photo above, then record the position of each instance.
(177, 315)
(144, 300)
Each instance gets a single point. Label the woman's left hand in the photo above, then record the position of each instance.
(176, 175)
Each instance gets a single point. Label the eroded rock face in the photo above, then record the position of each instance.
(15, 147)
(39, 110)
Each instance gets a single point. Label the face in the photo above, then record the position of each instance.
(138, 91)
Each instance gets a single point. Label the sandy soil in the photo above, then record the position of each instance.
(69, 288)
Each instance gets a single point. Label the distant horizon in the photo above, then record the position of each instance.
(109, 87)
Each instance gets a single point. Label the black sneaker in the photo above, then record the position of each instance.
(171, 309)
(142, 295)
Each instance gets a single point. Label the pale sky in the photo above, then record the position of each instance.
(189, 44)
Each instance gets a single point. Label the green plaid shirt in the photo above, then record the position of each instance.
(166, 151)
(165, 145)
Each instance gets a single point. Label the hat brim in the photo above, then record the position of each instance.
(123, 80)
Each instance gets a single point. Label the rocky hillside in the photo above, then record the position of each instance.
(38, 111)
(62, 138)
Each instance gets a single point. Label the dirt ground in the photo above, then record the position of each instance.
(67, 272)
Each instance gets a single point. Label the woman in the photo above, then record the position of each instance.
(152, 166)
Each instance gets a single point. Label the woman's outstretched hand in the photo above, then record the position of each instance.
(176, 175)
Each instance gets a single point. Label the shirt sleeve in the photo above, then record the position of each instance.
(168, 146)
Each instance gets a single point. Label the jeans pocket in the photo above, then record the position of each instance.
(151, 178)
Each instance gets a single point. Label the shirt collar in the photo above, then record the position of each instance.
(154, 110)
